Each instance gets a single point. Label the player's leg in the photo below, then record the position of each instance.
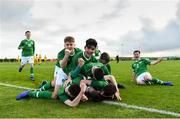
(34, 94)
(31, 62)
(23, 62)
(140, 79)
(60, 78)
(149, 80)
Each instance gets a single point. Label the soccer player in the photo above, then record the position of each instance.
(28, 48)
(70, 95)
(140, 72)
(63, 66)
(86, 56)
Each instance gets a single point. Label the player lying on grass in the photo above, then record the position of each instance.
(70, 95)
(88, 69)
(28, 48)
(63, 66)
(140, 72)
(105, 84)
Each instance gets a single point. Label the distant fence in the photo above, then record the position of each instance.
(151, 58)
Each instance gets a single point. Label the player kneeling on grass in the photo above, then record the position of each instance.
(70, 95)
(141, 74)
(28, 48)
(64, 63)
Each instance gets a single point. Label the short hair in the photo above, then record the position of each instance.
(27, 32)
(109, 90)
(98, 73)
(74, 90)
(105, 56)
(136, 51)
(69, 39)
(91, 42)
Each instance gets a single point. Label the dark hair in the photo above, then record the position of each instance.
(98, 74)
(109, 90)
(27, 32)
(136, 51)
(69, 39)
(91, 42)
(105, 56)
(74, 90)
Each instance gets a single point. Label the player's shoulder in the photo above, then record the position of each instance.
(62, 51)
(145, 59)
(77, 50)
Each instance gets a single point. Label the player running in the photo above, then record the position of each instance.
(28, 49)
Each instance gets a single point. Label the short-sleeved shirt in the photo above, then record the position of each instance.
(28, 47)
(140, 66)
(70, 65)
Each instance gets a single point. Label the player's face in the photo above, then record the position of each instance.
(28, 35)
(69, 45)
(136, 55)
(90, 50)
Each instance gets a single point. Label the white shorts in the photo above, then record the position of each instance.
(25, 60)
(60, 76)
(140, 78)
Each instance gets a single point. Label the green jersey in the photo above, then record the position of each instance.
(86, 70)
(98, 84)
(86, 59)
(140, 66)
(63, 96)
(28, 47)
(69, 66)
(108, 67)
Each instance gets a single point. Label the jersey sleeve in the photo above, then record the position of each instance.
(60, 55)
(109, 68)
(147, 61)
(33, 47)
(105, 70)
(21, 45)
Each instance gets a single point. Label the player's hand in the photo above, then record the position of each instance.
(80, 62)
(118, 96)
(67, 52)
(69, 80)
(83, 87)
(84, 98)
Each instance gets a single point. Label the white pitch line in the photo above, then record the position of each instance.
(142, 108)
(14, 86)
(113, 103)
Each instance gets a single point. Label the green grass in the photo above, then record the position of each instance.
(159, 97)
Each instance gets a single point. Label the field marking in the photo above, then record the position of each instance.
(142, 108)
(113, 103)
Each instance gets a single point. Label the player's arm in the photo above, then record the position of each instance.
(21, 45)
(157, 61)
(33, 47)
(76, 101)
(77, 70)
(112, 79)
(63, 62)
(133, 76)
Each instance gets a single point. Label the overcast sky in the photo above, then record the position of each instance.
(119, 26)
